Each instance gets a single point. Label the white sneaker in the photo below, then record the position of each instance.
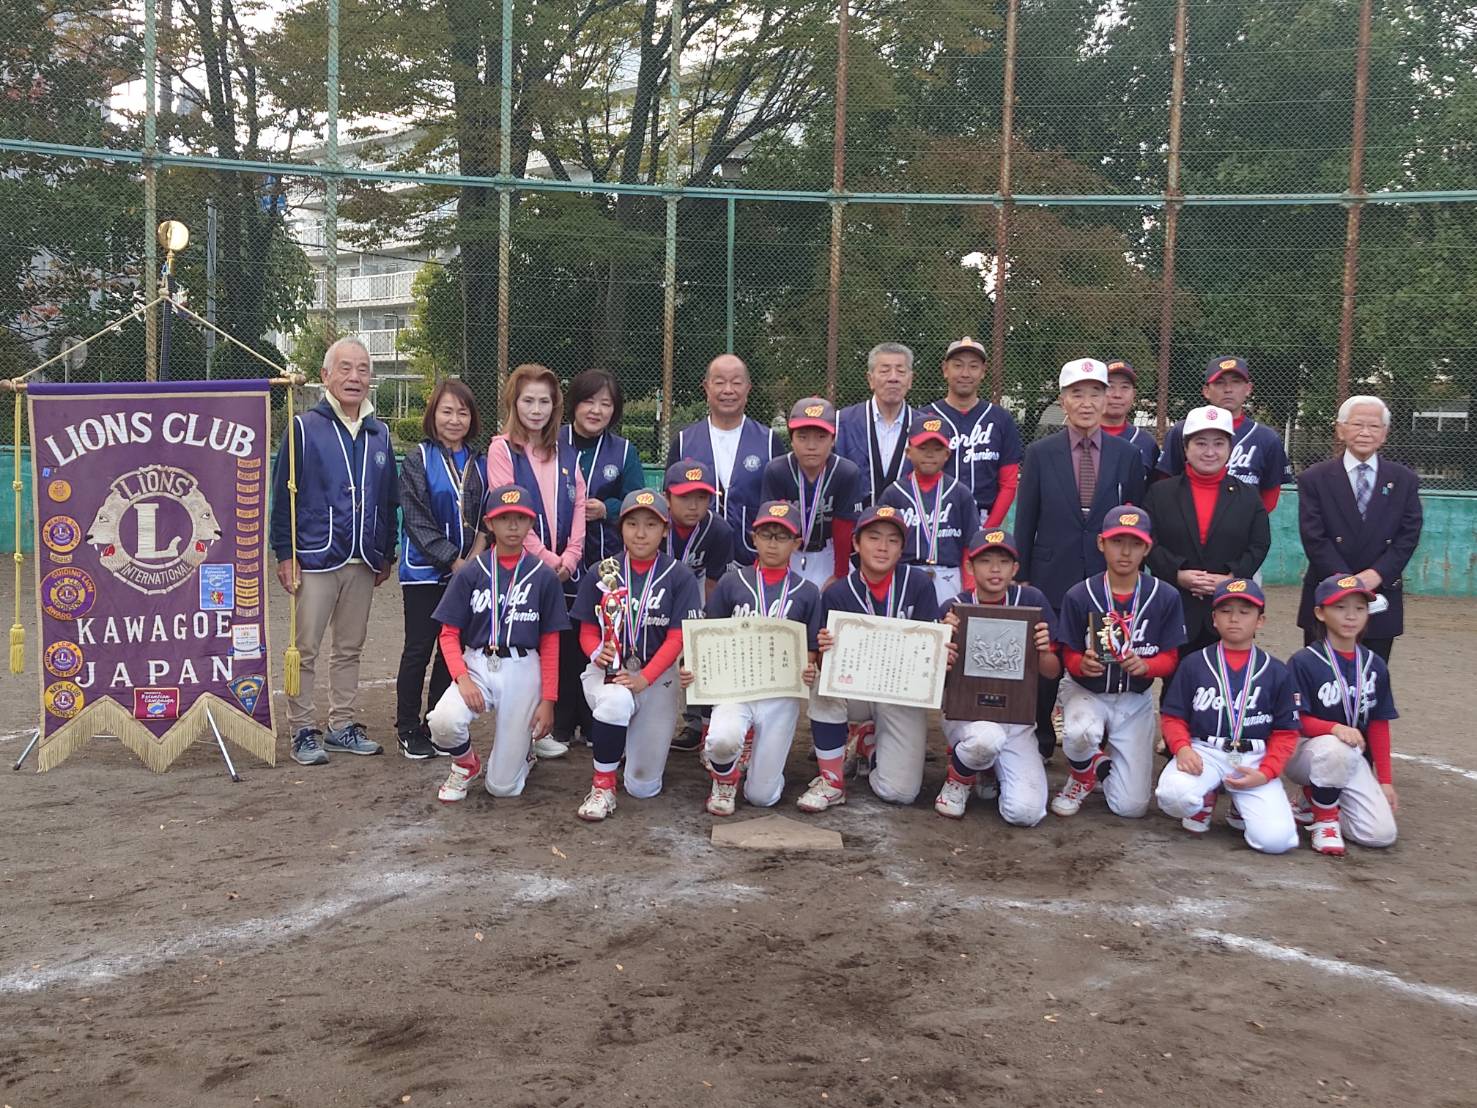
(599, 804)
(952, 799)
(821, 795)
(549, 747)
(1327, 838)
(454, 788)
(1199, 823)
(1068, 802)
(722, 797)
(986, 784)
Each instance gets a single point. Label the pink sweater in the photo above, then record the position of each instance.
(546, 470)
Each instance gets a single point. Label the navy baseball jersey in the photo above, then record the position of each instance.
(742, 592)
(656, 602)
(981, 440)
(1016, 596)
(1153, 611)
(1142, 441)
(940, 520)
(836, 495)
(910, 595)
(498, 607)
(1197, 695)
(1320, 695)
(1257, 457)
(706, 550)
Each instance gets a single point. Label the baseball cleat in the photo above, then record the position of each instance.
(1327, 838)
(986, 784)
(599, 804)
(1233, 817)
(723, 796)
(1068, 802)
(549, 747)
(820, 795)
(463, 769)
(1199, 823)
(747, 754)
(952, 799)
(1302, 808)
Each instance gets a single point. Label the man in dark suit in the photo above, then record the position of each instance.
(1360, 514)
(1209, 527)
(1069, 481)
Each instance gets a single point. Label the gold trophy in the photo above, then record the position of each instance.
(612, 611)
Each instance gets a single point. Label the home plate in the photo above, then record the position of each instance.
(775, 833)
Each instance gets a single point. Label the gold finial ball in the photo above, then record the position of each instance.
(174, 236)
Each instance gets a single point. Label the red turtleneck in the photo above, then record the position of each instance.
(1205, 490)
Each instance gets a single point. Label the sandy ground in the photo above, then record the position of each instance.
(333, 936)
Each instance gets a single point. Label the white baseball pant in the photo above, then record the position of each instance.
(1364, 813)
(946, 582)
(512, 691)
(1269, 824)
(648, 717)
(773, 721)
(1011, 749)
(897, 772)
(816, 566)
(1126, 720)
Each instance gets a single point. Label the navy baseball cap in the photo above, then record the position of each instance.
(813, 411)
(1128, 520)
(882, 513)
(1118, 365)
(1333, 589)
(646, 500)
(992, 540)
(1225, 363)
(1239, 588)
(779, 512)
(928, 430)
(687, 476)
(506, 499)
(966, 343)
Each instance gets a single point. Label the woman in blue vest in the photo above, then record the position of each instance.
(529, 453)
(443, 484)
(611, 468)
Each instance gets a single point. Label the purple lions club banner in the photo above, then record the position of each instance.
(151, 565)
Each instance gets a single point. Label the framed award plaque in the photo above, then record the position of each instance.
(994, 676)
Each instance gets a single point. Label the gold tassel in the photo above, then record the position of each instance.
(17, 632)
(292, 659)
(292, 671)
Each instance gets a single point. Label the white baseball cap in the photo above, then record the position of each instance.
(1209, 418)
(1083, 369)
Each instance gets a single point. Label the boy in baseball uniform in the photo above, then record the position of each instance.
(940, 511)
(882, 585)
(825, 488)
(1105, 695)
(770, 587)
(1230, 720)
(500, 622)
(1345, 705)
(631, 683)
(1003, 754)
(703, 542)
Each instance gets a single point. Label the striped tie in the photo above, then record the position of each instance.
(1086, 475)
(1363, 486)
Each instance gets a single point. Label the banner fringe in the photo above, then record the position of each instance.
(108, 717)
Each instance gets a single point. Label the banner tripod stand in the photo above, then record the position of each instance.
(220, 742)
(26, 753)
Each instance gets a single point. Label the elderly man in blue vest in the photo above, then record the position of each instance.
(345, 543)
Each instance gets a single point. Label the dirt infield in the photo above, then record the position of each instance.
(333, 936)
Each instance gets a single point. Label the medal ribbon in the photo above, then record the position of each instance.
(777, 609)
(502, 616)
(865, 597)
(1235, 714)
(1351, 698)
(930, 529)
(1126, 622)
(636, 616)
(808, 516)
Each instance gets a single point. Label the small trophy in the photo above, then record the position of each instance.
(612, 610)
(1113, 636)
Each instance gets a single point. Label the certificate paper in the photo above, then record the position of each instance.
(887, 661)
(744, 658)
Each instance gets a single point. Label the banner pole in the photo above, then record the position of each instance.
(220, 742)
(30, 746)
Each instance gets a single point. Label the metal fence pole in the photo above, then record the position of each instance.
(504, 196)
(1172, 198)
(1002, 213)
(669, 269)
(151, 211)
(330, 206)
(728, 279)
(1356, 202)
(838, 185)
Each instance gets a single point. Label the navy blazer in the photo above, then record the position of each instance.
(1337, 540)
(1058, 543)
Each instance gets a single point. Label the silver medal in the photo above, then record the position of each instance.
(494, 663)
(633, 663)
(1235, 757)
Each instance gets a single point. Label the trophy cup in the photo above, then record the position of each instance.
(612, 611)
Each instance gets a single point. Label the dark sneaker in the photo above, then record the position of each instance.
(307, 749)
(690, 738)
(416, 745)
(351, 739)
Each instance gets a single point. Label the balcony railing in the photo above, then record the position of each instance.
(372, 288)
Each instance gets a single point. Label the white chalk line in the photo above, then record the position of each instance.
(1445, 767)
(1439, 993)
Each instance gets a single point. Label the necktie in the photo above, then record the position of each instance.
(1363, 486)
(1086, 475)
